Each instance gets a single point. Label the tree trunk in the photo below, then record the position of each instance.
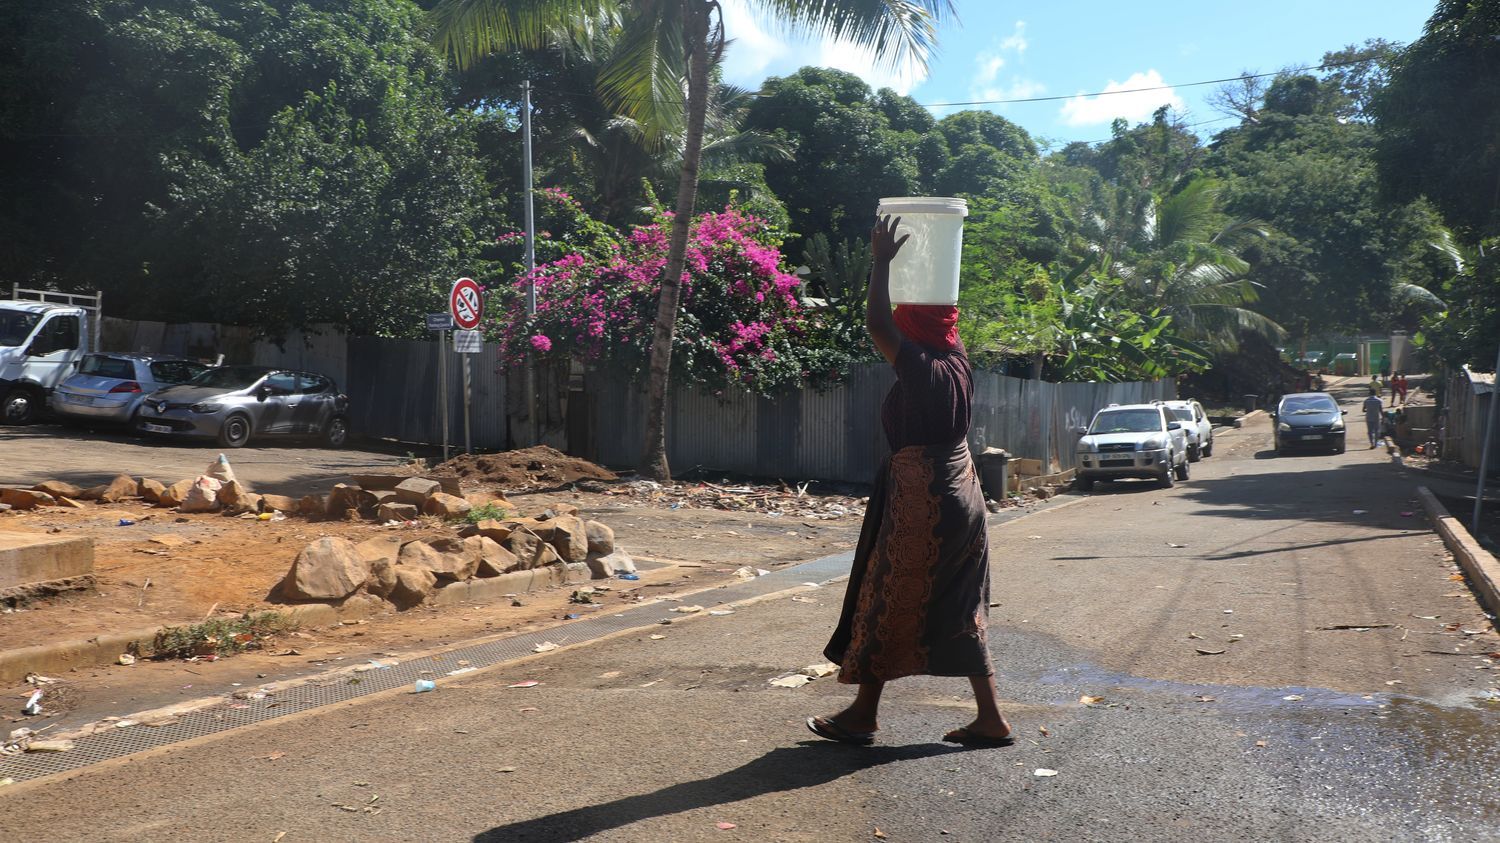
(654, 456)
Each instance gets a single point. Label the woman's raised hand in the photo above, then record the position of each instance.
(883, 242)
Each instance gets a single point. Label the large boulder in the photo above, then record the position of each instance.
(413, 586)
(449, 559)
(601, 538)
(444, 505)
(604, 567)
(59, 489)
(494, 559)
(416, 490)
(567, 535)
(497, 531)
(312, 506)
(248, 502)
(202, 496)
(396, 512)
(530, 550)
(231, 494)
(341, 498)
(371, 499)
(381, 553)
(328, 569)
(26, 498)
(149, 489)
(116, 490)
(174, 494)
(495, 499)
(279, 503)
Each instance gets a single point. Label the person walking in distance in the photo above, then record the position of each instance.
(1373, 417)
(917, 602)
(1398, 388)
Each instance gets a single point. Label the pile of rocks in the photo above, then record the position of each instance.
(377, 497)
(407, 572)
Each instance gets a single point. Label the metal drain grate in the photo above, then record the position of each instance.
(231, 714)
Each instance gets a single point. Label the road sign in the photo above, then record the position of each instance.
(466, 303)
(439, 322)
(468, 342)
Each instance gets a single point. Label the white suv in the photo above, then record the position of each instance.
(1132, 440)
(1200, 431)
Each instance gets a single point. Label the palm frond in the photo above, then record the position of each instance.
(645, 77)
(1413, 294)
(896, 31)
(469, 30)
(1187, 215)
(751, 146)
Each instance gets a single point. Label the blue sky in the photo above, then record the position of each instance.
(1006, 49)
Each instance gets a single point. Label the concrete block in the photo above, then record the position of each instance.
(33, 558)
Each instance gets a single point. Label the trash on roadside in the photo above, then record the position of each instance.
(1204, 698)
(725, 826)
(462, 670)
(797, 598)
(529, 683)
(50, 746)
(630, 577)
(544, 647)
(37, 680)
(126, 522)
(1044, 773)
(687, 610)
(795, 680)
(1173, 544)
(584, 596)
(657, 637)
(1293, 698)
(818, 671)
(266, 516)
(424, 685)
(721, 612)
(33, 706)
(572, 616)
(1361, 511)
(126, 659)
(1204, 651)
(1088, 700)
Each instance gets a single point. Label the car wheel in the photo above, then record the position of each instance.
(1085, 484)
(336, 433)
(1164, 480)
(1193, 455)
(20, 406)
(1339, 448)
(1208, 450)
(235, 432)
(1181, 471)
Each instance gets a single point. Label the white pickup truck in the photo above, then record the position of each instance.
(42, 334)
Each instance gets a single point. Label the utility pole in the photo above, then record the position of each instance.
(1484, 459)
(530, 261)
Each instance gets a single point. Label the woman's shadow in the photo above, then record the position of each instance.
(808, 764)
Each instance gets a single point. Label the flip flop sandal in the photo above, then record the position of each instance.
(964, 737)
(829, 729)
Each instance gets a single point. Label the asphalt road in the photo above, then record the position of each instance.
(32, 454)
(1294, 732)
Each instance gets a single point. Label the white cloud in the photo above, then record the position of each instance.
(986, 83)
(759, 50)
(1089, 111)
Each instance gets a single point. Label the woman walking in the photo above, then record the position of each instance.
(918, 594)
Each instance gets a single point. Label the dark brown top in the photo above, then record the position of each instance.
(931, 401)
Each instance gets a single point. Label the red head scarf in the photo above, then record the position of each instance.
(932, 325)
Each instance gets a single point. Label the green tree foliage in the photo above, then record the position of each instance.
(266, 162)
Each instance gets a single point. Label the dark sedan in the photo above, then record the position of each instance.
(1309, 421)
(233, 403)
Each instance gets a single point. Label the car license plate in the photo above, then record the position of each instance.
(1313, 436)
(77, 399)
(156, 428)
(1119, 457)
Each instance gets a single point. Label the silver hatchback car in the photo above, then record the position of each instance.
(233, 403)
(109, 387)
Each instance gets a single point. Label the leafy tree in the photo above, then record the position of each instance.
(661, 76)
(268, 162)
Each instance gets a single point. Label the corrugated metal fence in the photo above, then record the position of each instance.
(393, 392)
(836, 434)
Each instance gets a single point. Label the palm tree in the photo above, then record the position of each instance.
(1181, 255)
(660, 76)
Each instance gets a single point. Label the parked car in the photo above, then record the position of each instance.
(40, 340)
(1200, 431)
(1132, 440)
(234, 403)
(1309, 420)
(110, 387)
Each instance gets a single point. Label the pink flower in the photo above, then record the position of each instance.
(540, 342)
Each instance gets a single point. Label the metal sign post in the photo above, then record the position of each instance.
(533, 422)
(1484, 458)
(467, 343)
(441, 322)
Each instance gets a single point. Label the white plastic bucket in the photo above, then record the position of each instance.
(925, 271)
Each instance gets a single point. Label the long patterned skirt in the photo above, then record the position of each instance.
(918, 595)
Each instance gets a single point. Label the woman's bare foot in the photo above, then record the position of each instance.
(854, 720)
(987, 728)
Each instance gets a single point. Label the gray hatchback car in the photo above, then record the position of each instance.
(234, 403)
(110, 387)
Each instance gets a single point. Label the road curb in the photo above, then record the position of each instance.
(106, 649)
(1479, 565)
(1240, 422)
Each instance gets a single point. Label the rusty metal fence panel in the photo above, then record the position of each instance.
(835, 435)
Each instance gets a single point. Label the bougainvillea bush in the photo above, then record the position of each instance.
(741, 319)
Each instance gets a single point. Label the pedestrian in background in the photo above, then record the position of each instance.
(1385, 367)
(1373, 417)
(917, 601)
(1398, 388)
(1375, 385)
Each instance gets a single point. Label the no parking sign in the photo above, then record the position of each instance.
(466, 303)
